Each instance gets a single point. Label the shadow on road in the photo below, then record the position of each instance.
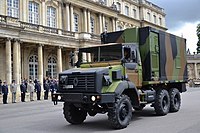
(100, 122)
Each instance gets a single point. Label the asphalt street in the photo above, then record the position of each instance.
(44, 117)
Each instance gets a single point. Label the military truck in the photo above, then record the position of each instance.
(130, 69)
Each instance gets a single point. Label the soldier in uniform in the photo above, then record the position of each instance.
(38, 89)
(23, 91)
(31, 88)
(46, 89)
(5, 92)
(0, 86)
(13, 90)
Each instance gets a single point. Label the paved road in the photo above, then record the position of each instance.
(44, 117)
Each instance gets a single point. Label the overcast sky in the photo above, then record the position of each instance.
(182, 17)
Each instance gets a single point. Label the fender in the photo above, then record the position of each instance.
(128, 88)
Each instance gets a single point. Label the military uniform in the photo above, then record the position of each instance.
(5, 92)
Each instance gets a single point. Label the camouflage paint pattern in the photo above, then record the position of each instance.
(126, 36)
(163, 55)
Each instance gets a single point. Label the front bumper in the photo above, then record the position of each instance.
(83, 98)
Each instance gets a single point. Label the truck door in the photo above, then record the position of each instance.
(133, 66)
(154, 52)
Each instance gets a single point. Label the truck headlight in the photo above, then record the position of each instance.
(93, 98)
(59, 97)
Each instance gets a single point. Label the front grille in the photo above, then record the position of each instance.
(82, 82)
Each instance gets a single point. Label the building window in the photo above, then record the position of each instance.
(33, 12)
(52, 70)
(103, 2)
(106, 27)
(148, 16)
(51, 16)
(75, 22)
(126, 10)
(160, 21)
(118, 6)
(92, 24)
(13, 8)
(119, 28)
(33, 67)
(134, 13)
(154, 19)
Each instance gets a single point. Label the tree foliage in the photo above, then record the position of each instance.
(198, 34)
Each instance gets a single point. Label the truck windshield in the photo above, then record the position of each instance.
(100, 53)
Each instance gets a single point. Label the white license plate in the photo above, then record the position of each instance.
(68, 87)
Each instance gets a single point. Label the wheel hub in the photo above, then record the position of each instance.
(123, 112)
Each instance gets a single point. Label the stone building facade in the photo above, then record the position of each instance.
(37, 36)
(193, 66)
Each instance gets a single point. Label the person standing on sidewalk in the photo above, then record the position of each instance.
(5, 92)
(0, 86)
(23, 91)
(38, 89)
(31, 88)
(46, 89)
(13, 90)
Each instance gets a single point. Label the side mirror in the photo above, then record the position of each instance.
(123, 60)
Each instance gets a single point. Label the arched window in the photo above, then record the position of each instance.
(76, 24)
(33, 67)
(118, 6)
(119, 28)
(92, 22)
(52, 62)
(126, 10)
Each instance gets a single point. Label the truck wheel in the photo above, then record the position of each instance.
(73, 114)
(162, 102)
(121, 113)
(175, 100)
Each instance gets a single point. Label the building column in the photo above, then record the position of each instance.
(24, 8)
(88, 21)
(16, 66)
(59, 60)
(67, 17)
(113, 24)
(100, 23)
(21, 11)
(19, 62)
(8, 61)
(85, 21)
(43, 17)
(72, 18)
(195, 71)
(40, 63)
(60, 15)
(103, 23)
(89, 57)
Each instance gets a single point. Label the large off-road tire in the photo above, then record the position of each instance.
(175, 100)
(121, 113)
(73, 114)
(162, 102)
